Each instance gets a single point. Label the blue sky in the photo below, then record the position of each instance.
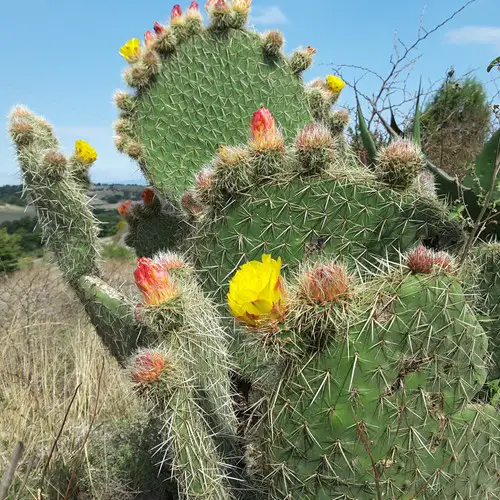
(61, 59)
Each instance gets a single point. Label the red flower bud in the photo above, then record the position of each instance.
(148, 196)
(420, 260)
(262, 123)
(149, 367)
(264, 132)
(159, 29)
(154, 282)
(326, 283)
(125, 209)
(194, 6)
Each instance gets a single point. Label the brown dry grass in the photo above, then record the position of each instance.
(49, 349)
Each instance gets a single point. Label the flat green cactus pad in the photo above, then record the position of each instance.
(382, 412)
(346, 215)
(204, 96)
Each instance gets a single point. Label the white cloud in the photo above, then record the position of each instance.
(486, 35)
(266, 16)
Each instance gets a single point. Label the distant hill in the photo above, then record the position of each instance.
(102, 195)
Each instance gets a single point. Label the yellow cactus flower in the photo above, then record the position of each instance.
(256, 292)
(131, 50)
(85, 153)
(335, 84)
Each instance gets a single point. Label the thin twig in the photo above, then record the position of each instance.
(54, 445)
(10, 471)
(366, 444)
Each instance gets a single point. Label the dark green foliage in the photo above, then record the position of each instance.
(205, 96)
(117, 252)
(455, 125)
(29, 232)
(12, 195)
(10, 252)
(109, 221)
(154, 229)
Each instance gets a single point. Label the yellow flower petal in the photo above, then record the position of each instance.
(335, 83)
(131, 50)
(256, 291)
(84, 152)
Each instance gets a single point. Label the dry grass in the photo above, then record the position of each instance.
(48, 351)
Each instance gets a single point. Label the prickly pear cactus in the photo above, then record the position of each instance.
(486, 277)
(196, 89)
(365, 385)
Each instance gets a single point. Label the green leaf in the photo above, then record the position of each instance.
(485, 164)
(394, 124)
(495, 62)
(416, 120)
(366, 136)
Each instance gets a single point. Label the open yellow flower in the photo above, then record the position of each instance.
(85, 153)
(256, 292)
(335, 84)
(131, 50)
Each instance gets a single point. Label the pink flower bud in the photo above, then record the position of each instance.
(149, 39)
(443, 261)
(194, 6)
(176, 12)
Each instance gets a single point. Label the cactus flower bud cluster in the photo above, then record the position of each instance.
(421, 260)
(325, 283)
(154, 281)
(149, 367)
(265, 134)
(399, 163)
